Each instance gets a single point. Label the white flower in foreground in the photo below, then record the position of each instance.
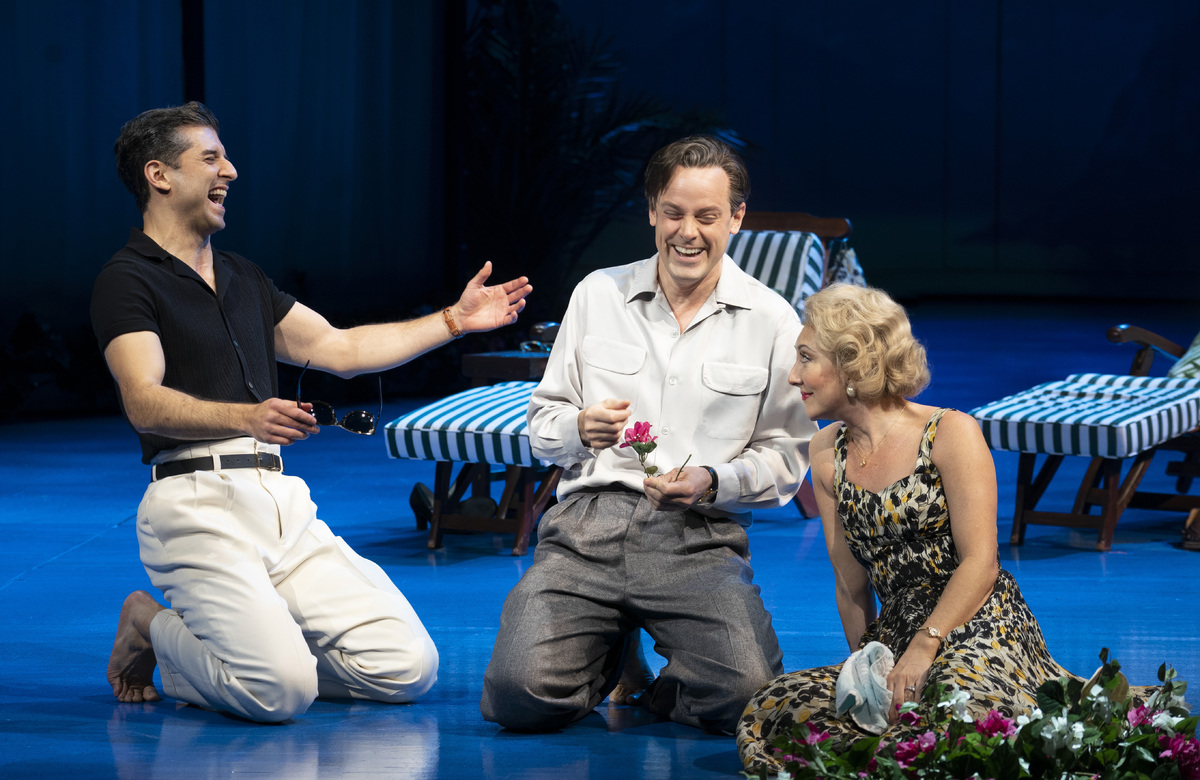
(1159, 701)
(957, 702)
(1101, 704)
(1030, 717)
(1060, 733)
(1165, 721)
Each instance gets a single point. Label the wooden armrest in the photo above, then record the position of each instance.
(826, 228)
(1123, 334)
(1149, 343)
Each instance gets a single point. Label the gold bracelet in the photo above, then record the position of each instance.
(449, 318)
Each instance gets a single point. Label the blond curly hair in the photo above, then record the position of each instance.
(870, 339)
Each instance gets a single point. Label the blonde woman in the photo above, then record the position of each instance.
(907, 495)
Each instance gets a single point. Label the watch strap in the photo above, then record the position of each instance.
(710, 495)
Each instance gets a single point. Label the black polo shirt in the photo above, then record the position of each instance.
(219, 346)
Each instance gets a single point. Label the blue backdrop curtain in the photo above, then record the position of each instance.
(326, 110)
(999, 147)
(1010, 147)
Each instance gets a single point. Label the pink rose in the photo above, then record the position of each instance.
(995, 724)
(638, 434)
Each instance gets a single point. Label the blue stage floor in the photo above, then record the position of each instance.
(69, 491)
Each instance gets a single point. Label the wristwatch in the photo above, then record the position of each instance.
(933, 632)
(710, 495)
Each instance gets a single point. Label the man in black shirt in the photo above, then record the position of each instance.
(268, 609)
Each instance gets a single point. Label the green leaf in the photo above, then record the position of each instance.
(1002, 764)
(859, 755)
(1165, 771)
(1052, 696)
(1074, 690)
(644, 447)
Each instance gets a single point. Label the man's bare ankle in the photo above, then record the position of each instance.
(140, 609)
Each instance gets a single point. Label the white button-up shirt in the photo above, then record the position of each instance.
(718, 391)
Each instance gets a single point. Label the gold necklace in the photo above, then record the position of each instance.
(862, 459)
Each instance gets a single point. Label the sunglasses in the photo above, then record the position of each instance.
(356, 422)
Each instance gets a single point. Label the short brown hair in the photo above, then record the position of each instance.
(154, 135)
(870, 339)
(697, 151)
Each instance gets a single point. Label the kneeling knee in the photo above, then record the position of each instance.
(282, 698)
(412, 674)
(423, 675)
(516, 704)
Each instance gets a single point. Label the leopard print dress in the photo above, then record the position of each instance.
(902, 538)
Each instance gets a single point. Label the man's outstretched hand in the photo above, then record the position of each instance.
(481, 308)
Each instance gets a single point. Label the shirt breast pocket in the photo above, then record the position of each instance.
(729, 400)
(610, 369)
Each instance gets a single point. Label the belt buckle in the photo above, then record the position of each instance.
(269, 461)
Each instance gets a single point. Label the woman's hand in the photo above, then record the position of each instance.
(911, 673)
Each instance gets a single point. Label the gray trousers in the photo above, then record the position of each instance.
(606, 565)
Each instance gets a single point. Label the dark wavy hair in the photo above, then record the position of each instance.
(697, 151)
(154, 135)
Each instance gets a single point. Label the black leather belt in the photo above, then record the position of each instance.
(256, 460)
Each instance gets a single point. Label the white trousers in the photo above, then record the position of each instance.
(268, 609)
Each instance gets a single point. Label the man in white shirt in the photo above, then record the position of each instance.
(691, 344)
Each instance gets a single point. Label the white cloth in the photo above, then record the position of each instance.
(862, 690)
(269, 608)
(717, 392)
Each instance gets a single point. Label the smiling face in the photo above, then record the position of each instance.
(195, 189)
(822, 387)
(692, 224)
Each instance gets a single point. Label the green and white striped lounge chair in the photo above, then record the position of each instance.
(1106, 417)
(483, 425)
(790, 262)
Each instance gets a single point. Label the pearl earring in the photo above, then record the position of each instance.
(850, 391)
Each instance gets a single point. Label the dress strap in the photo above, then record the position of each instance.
(925, 452)
(839, 458)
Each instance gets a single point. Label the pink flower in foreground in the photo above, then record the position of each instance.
(995, 724)
(906, 753)
(910, 718)
(638, 434)
(1138, 715)
(643, 444)
(816, 736)
(909, 751)
(1185, 751)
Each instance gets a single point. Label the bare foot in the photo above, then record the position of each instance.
(635, 676)
(131, 665)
